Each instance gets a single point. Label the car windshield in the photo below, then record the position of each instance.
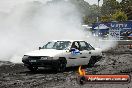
(59, 45)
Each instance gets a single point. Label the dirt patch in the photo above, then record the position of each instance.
(18, 76)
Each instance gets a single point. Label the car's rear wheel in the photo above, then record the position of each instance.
(93, 60)
(33, 69)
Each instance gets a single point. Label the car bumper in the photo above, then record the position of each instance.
(40, 63)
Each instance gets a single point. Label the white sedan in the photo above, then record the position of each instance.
(59, 54)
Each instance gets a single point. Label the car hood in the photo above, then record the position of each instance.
(45, 52)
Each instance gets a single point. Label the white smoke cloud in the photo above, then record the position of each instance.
(7, 5)
(26, 24)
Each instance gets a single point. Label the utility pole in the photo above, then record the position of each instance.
(98, 17)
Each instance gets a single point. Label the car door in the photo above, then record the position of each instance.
(73, 58)
(85, 53)
(92, 50)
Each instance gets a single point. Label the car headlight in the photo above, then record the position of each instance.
(46, 58)
(25, 57)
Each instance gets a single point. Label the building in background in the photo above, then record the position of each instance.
(113, 30)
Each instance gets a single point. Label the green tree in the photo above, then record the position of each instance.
(94, 13)
(105, 18)
(126, 6)
(89, 12)
(109, 7)
(86, 20)
(119, 16)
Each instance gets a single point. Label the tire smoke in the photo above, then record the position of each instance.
(26, 24)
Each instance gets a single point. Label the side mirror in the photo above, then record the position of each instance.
(40, 48)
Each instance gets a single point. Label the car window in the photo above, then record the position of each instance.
(59, 45)
(90, 47)
(49, 45)
(75, 45)
(83, 46)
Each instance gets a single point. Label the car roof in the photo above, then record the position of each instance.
(67, 40)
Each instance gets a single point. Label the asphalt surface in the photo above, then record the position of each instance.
(113, 62)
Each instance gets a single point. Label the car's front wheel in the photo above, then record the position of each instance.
(61, 65)
(33, 69)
